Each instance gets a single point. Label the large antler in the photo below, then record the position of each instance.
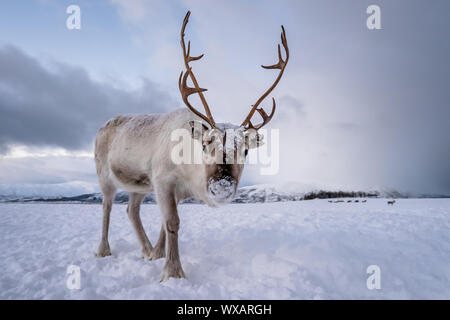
(247, 124)
(182, 81)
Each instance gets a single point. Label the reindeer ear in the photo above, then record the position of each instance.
(197, 129)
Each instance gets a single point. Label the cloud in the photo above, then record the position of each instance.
(47, 175)
(133, 10)
(62, 107)
(355, 107)
(49, 169)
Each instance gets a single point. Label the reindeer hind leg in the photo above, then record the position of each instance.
(109, 191)
(134, 206)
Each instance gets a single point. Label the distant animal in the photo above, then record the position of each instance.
(330, 201)
(349, 200)
(356, 200)
(391, 202)
(364, 201)
(134, 153)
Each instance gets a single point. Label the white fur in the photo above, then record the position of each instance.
(133, 153)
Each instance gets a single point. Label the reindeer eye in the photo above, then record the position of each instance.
(204, 147)
(246, 152)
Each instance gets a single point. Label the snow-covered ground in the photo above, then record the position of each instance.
(285, 250)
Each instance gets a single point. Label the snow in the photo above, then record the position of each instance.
(285, 250)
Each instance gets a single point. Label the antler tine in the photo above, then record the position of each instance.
(182, 82)
(281, 65)
(187, 91)
(188, 57)
(266, 118)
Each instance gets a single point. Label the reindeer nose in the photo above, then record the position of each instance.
(221, 190)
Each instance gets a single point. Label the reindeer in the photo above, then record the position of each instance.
(133, 153)
(391, 202)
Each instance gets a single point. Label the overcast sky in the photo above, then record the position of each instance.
(357, 108)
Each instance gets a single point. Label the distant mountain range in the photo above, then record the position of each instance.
(250, 194)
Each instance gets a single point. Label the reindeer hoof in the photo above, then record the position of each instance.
(157, 253)
(147, 253)
(176, 273)
(103, 250)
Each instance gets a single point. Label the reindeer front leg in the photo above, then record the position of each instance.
(171, 223)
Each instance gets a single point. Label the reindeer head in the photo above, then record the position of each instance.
(225, 146)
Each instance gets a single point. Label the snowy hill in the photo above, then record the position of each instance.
(252, 194)
(249, 194)
(46, 190)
